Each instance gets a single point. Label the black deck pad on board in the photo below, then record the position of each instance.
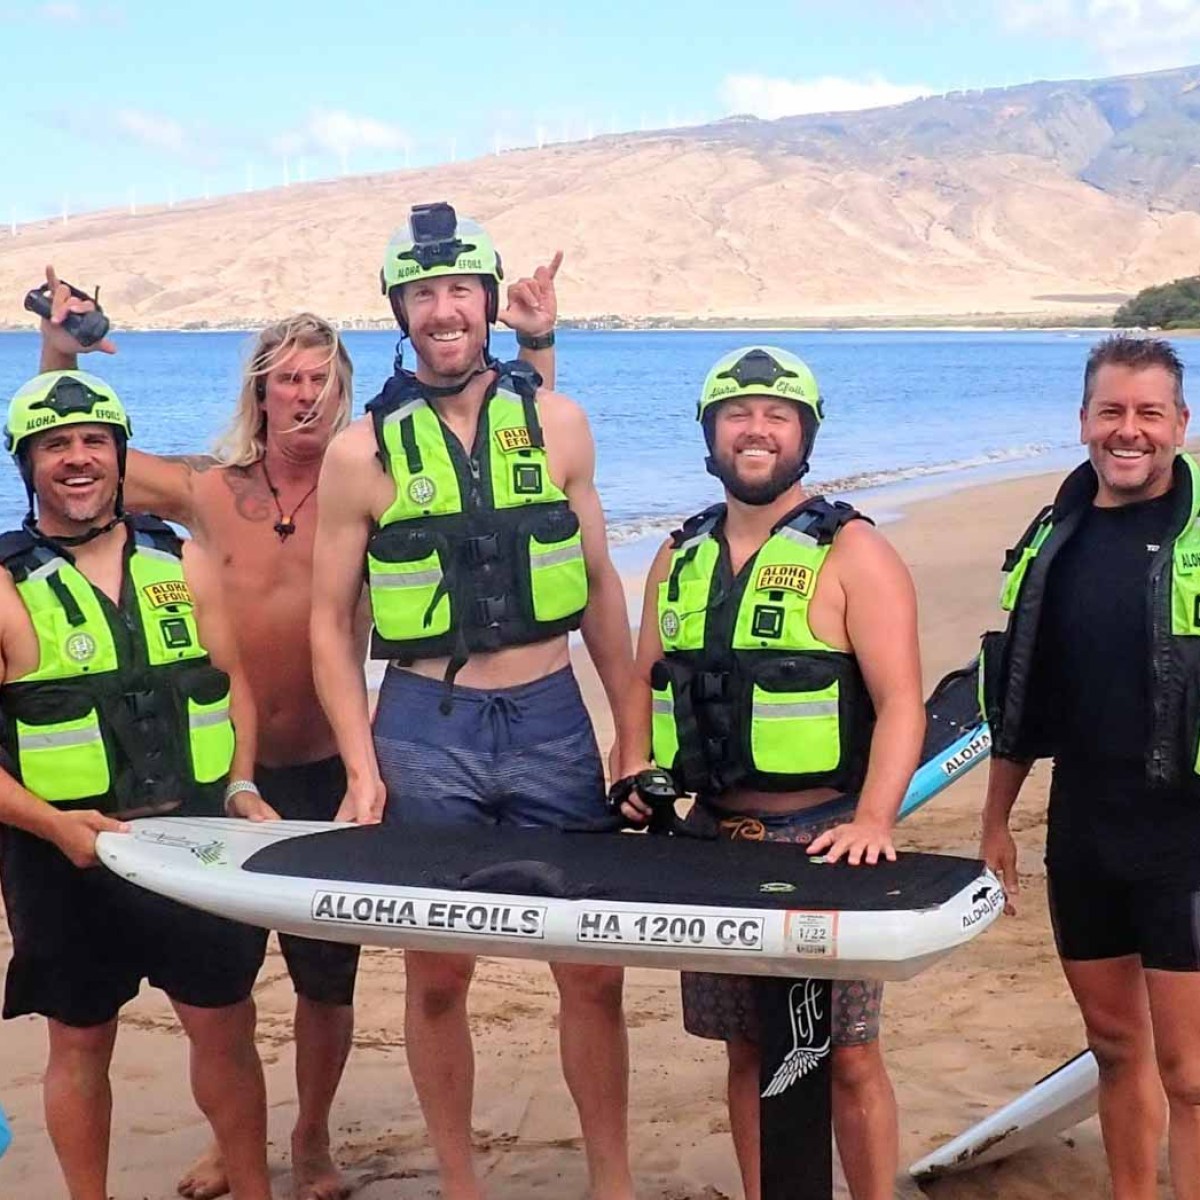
(635, 868)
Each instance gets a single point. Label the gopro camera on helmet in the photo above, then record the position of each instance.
(435, 222)
(86, 328)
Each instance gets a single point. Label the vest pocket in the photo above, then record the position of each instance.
(557, 574)
(211, 739)
(63, 760)
(410, 597)
(795, 728)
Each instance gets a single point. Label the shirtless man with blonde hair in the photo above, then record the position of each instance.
(253, 505)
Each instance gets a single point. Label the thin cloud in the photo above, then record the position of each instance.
(1128, 35)
(153, 130)
(764, 96)
(334, 131)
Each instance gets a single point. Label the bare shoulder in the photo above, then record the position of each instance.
(661, 565)
(860, 551)
(352, 447)
(561, 412)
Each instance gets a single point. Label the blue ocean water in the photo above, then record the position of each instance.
(899, 404)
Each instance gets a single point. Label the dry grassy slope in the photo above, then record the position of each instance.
(665, 226)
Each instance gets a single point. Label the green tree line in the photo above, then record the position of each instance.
(1174, 305)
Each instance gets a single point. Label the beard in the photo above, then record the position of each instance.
(81, 510)
(784, 474)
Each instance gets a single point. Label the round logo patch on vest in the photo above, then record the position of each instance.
(422, 490)
(776, 887)
(669, 624)
(80, 647)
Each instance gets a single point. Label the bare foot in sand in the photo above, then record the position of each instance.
(205, 1178)
(314, 1175)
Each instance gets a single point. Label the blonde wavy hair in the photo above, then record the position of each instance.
(244, 441)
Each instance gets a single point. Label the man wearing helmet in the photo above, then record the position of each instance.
(121, 693)
(252, 506)
(777, 667)
(468, 494)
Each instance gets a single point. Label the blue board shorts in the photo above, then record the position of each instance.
(523, 755)
(725, 1007)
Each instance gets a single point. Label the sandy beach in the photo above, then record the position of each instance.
(961, 1039)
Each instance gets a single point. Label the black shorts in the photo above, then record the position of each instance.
(323, 972)
(1123, 869)
(83, 941)
(1099, 913)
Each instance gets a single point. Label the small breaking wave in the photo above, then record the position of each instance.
(874, 479)
(623, 531)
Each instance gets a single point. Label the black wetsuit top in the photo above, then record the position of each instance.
(1091, 685)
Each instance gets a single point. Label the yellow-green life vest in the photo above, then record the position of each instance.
(125, 710)
(479, 550)
(1173, 593)
(745, 694)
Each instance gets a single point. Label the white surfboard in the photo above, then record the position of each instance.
(744, 908)
(1057, 1103)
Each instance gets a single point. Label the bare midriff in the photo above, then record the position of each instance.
(505, 668)
(268, 590)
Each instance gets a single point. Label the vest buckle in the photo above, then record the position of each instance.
(484, 548)
(710, 686)
(491, 610)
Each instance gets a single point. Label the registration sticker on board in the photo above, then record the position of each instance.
(690, 930)
(434, 916)
(812, 934)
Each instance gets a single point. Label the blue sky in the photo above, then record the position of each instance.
(110, 101)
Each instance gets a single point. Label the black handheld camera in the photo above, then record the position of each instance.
(86, 328)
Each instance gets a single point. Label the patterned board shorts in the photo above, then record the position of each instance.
(725, 1007)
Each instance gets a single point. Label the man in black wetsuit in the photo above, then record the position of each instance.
(1099, 669)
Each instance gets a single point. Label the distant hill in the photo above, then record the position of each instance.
(1048, 200)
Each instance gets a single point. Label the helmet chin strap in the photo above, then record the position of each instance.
(433, 392)
(30, 525)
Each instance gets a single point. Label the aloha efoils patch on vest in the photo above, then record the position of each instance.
(514, 439)
(785, 577)
(80, 647)
(167, 591)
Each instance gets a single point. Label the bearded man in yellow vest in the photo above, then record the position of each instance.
(121, 693)
(467, 494)
(777, 668)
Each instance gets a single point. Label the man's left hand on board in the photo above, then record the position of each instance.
(532, 304)
(859, 841)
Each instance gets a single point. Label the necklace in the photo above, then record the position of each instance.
(286, 525)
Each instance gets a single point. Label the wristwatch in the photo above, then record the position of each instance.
(535, 341)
